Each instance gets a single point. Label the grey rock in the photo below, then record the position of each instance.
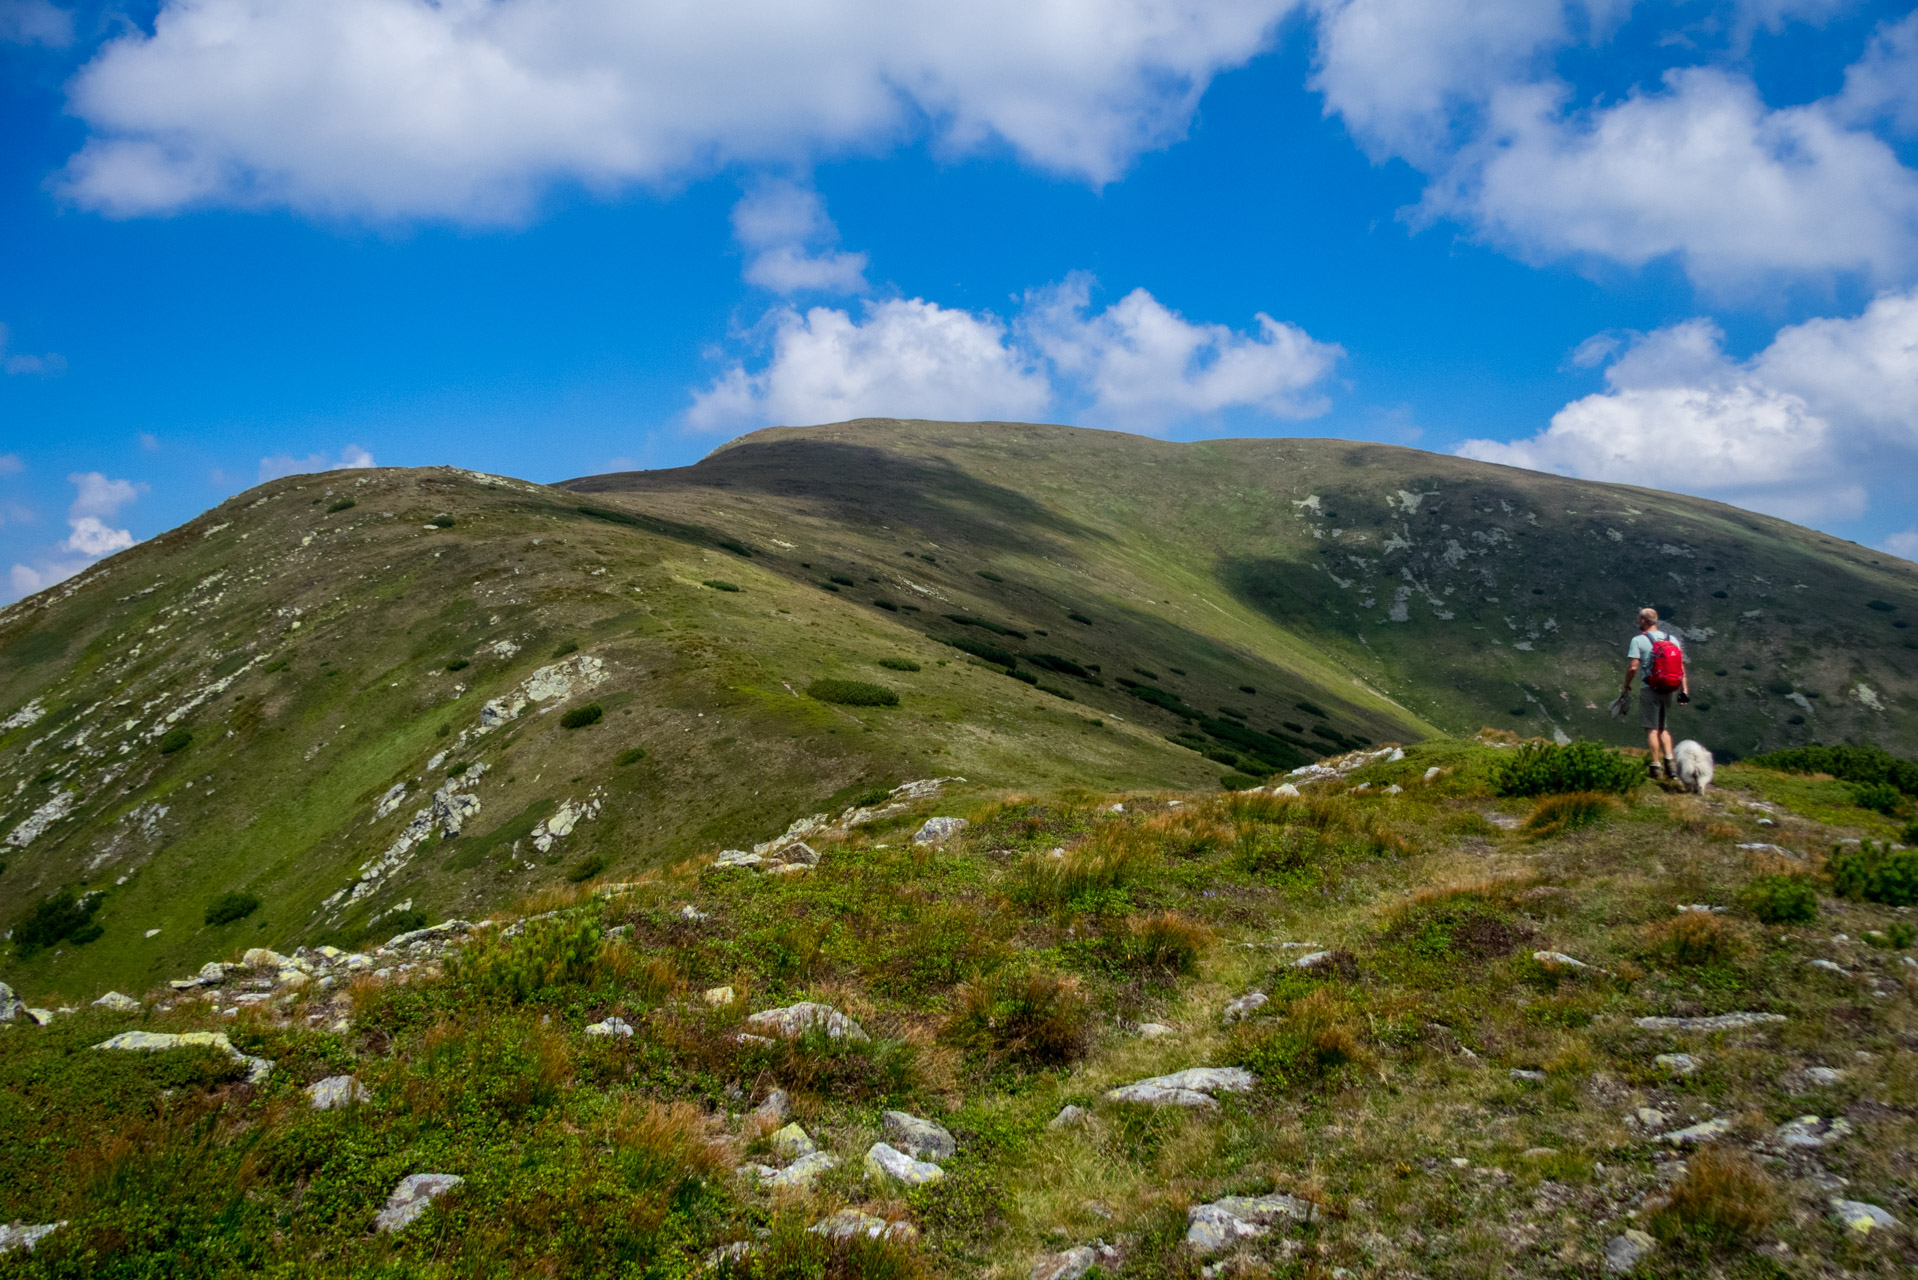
(1070, 1265)
(1679, 1064)
(918, 1137)
(445, 931)
(1707, 1131)
(1559, 959)
(1717, 1022)
(618, 1028)
(800, 852)
(117, 1003)
(1245, 1006)
(1829, 967)
(24, 1235)
(1862, 1218)
(1312, 960)
(11, 1006)
(884, 1161)
(690, 912)
(40, 1017)
(800, 1173)
(1623, 1251)
(1520, 1073)
(212, 973)
(263, 958)
(1811, 1131)
(1156, 1030)
(1069, 1117)
(1192, 1087)
(795, 1019)
(336, 1091)
(257, 1069)
(776, 1109)
(1824, 1077)
(939, 830)
(848, 1223)
(1224, 1222)
(792, 1142)
(411, 1198)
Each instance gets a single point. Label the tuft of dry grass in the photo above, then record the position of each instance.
(1031, 1017)
(1724, 1198)
(1692, 938)
(1555, 815)
(1166, 942)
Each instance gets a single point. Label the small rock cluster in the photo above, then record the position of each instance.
(788, 853)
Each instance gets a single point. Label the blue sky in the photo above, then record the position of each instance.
(1674, 244)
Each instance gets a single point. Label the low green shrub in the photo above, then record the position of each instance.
(1080, 618)
(229, 907)
(1237, 781)
(720, 584)
(1545, 768)
(344, 504)
(989, 575)
(980, 649)
(59, 918)
(1879, 797)
(1846, 763)
(852, 693)
(1316, 1037)
(548, 955)
(178, 738)
(580, 717)
(459, 664)
(1780, 899)
(899, 664)
(570, 646)
(632, 755)
(841, 579)
(1875, 873)
(1023, 677)
(586, 868)
(442, 521)
(1895, 936)
(997, 628)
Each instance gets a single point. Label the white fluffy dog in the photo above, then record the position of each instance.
(1694, 765)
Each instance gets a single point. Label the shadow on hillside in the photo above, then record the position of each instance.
(858, 485)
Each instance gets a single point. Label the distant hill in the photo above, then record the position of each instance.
(287, 696)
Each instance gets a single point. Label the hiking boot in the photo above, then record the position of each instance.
(1651, 770)
(1671, 773)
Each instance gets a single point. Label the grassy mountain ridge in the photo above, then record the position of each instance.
(268, 699)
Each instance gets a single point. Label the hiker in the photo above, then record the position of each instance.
(1661, 658)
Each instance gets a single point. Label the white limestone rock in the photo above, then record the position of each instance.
(796, 1019)
(11, 1006)
(1716, 1022)
(411, 1198)
(616, 1027)
(335, 1092)
(937, 831)
(257, 1069)
(1192, 1087)
(25, 1235)
(117, 1003)
(884, 1161)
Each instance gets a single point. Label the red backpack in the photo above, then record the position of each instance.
(1668, 666)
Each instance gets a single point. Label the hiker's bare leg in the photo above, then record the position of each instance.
(1652, 739)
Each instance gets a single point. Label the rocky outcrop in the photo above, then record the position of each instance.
(257, 1069)
(796, 1019)
(412, 1197)
(1192, 1087)
(936, 831)
(1223, 1223)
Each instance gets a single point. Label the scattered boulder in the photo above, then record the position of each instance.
(796, 1019)
(1559, 960)
(40, 1017)
(937, 831)
(618, 1028)
(1703, 1132)
(775, 1110)
(800, 1173)
(848, 1223)
(1221, 1224)
(1192, 1087)
(1811, 1131)
(117, 1003)
(919, 1137)
(411, 1198)
(1679, 1064)
(1623, 1251)
(1313, 960)
(801, 853)
(11, 1006)
(1070, 1265)
(792, 1142)
(262, 958)
(26, 1235)
(717, 996)
(1520, 1073)
(884, 1161)
(1069, 1117)
(1828, 966)
(335, 1092)
(1717, 1022)
(257, 1069)
(1824, 1077)
(1245, 1006)
(1862, 1218)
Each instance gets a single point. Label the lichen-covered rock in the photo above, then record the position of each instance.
(918, 1137)
(1811, 1131)
(411, 1198)
(736, 858)
(117, 1003)
(26, 1235)
(1862, 1218)
(848, 1223)
(262, 958)
(1245, 1006)
(800, 1173)
(1716, 1022)
(1069, 1117)
(718, 996)
(11, 1006)
(775, 1110)
(937, 831)
(1706, 1131)
(618, 1028)
(1623, 1251)
(796, 1019)
(884, 1161)
(1192, 1087)
(1069, 1265)
(257, 1069)
(792, 1142)
(335, 1092)
(1224, 1222)
(1679, 1064)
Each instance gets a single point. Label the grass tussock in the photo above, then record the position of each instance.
(1095, 878)
(1317, 1037)
(1692, 939)
(1725, 1198)
(1029, 1018)
(1164, 945)
(1556, 815)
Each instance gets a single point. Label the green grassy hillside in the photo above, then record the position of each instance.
(285, 697)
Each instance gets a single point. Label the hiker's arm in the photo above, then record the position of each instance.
(1631, 669)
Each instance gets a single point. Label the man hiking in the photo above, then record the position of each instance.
(1661, 658)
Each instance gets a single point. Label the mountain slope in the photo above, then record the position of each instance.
(286, 696)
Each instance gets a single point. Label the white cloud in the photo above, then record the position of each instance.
(1883, 85)
(97, 499)
(35, 22)
(1144, 365)
(907, 358)
(1803, 429)
(785, 228)
(1903, 544)
(27, 579)
(92, 537)
(99, 496)
(51, 364)
(468, 110)
(351, 458)
(1136, 364)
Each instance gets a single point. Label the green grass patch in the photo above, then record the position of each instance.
(229, 907)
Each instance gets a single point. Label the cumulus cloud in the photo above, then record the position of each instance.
(1697, 168)
(468, 110)
(97, 500)
(1136, 364)
(35, 22)
(351, 458)
(1801, 429)
(1144, 365)
(905, 358)
(784, 228)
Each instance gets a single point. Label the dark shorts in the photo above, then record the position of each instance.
(1653, 706)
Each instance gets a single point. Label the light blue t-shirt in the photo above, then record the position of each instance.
(1641, 648)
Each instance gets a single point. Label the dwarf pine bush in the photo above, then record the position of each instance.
(229, 907)
(899, 664)
(852, 693)
(1780, 899)
(1875, 873)
(580, 717)
(1545, 768)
